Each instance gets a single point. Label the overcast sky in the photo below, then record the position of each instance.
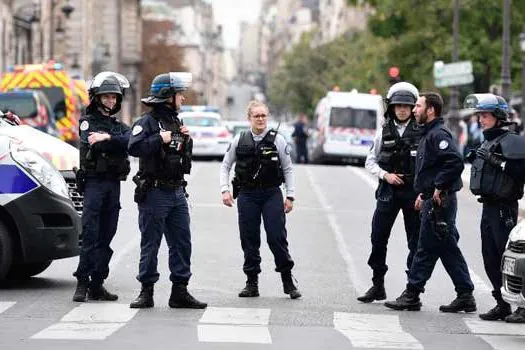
(230, 13)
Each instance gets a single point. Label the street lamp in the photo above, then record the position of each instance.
(522, 46)
(505, 60)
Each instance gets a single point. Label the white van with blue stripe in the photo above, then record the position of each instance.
(38, 221)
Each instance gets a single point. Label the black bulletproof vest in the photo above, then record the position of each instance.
(104, 165)
(489, 181)
(258, 164)
(167, 164)
(398, 153)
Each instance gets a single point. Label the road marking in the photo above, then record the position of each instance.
(235, 325)
(224, 315)
(234, 334)
(92, 321)
(504, 342)
(351, 270)
(4, 305)
(494, 328)
(374, 331)
(479, 283)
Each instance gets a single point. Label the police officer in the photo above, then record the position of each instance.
(263, 162)
(437, 179)
(497, 177)
(392, 159)
(164, 147)
(103, 164)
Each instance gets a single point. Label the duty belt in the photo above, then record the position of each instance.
(168, 185)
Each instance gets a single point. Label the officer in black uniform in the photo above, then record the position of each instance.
(263, 162)
(437, 179)
(497, 177)
(164, 147)
(392, 159)
(103, 164)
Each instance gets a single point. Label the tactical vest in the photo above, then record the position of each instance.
(258, 164)
(491, 182)
(104, 165)
(398, 153)
(174, 158)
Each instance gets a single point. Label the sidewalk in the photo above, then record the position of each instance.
(466, 180)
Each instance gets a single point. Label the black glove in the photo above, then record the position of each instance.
(471, 155)
(490, 157)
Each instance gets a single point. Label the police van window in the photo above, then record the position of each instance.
(348, 117)
(201, 121)
(56, 98)
(22, 105)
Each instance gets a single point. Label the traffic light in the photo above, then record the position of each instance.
(393, 74)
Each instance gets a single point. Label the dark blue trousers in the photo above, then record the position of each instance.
(497, 220)
(385, 215)
(165, 212)
(430, 248)
(99, 225)
(301, 151)
(268, 203)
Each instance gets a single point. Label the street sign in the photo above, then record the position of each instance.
(452, 74)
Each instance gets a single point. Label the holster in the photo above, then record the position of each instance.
(80, 179)
(143, 185)
(438, 220)
(236, 186)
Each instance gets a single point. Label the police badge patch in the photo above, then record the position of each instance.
(288, 149)
(84, 125)
(137, 129)
(443, 144)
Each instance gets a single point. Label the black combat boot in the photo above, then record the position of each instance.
(376, 292)
(289, 286)
(251, 289)
(81, 291)
(181, 299)
(517, 317)
(408, 300)
(98, 292)
(145, 298)
(463, 302)
(499, 312)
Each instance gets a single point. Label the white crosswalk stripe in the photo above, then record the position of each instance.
(499, 335)
(235, 325)
(91, 321)
(374, 331)
(4, 305)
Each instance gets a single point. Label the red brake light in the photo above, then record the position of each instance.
(224, 133)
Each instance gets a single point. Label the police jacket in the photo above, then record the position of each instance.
(439, 164)
(495, 183)
(157, 160)
(398, 153)
(105, 159)
(258, 164)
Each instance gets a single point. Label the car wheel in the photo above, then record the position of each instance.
(6, 251)
(22, 271)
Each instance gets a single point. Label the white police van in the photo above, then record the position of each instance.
(513, 267)
(38, 220)
(346, 125)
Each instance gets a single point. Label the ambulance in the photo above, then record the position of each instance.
(39, 206)
(346, 124)
(53, 80)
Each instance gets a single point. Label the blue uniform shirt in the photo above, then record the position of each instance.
(439, 163)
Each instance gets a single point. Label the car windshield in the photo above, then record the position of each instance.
(348, 117)
(22, 105)
(201, 121)
(56, 98)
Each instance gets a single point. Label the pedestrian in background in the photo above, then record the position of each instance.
(300, 136)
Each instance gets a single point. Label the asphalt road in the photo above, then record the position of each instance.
(329, 233)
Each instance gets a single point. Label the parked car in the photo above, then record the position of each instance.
(513, 267)
(210, 135)
(39, 206)
(32, 107)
